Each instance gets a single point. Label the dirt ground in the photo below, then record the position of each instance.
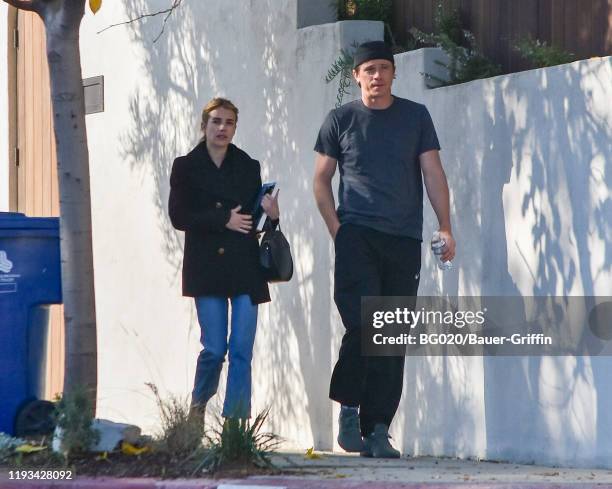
(117, 464)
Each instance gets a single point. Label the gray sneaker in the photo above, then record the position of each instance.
(377, 444)
(349, 434)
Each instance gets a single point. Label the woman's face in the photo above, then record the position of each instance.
(220, 128)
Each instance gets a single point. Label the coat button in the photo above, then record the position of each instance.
(221, 251)
(218, 205)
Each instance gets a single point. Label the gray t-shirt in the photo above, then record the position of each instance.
(378, 156)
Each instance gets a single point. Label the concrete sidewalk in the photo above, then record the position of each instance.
(434, 470)
(335, 471)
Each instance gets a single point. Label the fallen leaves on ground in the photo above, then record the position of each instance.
(27, 448)
(312, 455)
(129, 449)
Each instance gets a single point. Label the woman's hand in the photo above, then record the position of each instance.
(270, 206)
(241, 223)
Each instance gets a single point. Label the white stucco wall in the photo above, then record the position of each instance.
(4, 151)
(528, 161)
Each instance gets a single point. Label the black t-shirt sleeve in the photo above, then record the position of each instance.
(328, 140)
(429, 138)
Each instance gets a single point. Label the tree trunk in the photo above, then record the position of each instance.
(62, 19)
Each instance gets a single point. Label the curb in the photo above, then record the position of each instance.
(264, 483)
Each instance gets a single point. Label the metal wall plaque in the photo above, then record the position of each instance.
(94, 94)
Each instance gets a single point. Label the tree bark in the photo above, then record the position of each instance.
(68, 101)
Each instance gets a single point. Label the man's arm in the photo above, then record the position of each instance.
(325, 167)
(437, 191)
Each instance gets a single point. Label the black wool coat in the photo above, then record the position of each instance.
(217, 261)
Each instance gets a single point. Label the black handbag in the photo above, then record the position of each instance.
(275, 256)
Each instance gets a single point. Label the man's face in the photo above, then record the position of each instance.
(375, 77)
(221, 127)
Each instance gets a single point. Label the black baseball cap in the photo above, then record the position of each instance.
(372, 50)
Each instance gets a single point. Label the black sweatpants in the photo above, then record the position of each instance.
(370, 263)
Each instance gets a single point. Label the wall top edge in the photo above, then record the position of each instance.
(434, 53)
(342, 23)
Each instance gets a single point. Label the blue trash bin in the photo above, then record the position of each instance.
(30, 280)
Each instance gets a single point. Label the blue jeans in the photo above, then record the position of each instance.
(213, 318)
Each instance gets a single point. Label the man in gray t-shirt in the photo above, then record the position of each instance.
(378, 154)
(385, 147)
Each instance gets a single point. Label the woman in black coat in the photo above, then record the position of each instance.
(212, 192)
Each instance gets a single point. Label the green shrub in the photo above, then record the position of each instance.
(181, 433)
(342, 68)
(450, 25)
(74, 411)
(540, 55)
(239, 443)
(381, 10)
(465, 61)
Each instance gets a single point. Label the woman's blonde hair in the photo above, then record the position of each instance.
(214, 104)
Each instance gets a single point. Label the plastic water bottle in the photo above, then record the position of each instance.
(438, 246)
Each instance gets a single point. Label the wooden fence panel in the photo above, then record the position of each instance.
(523, 23)
(498, 30)
(557, 23)
(545, 9)
(583, 27)
(571, 11)
(584, 23)
(598, 37)
(37, 190)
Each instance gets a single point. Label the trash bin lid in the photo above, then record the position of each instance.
(17, 220)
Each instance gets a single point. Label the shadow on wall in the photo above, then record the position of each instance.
(247, 57)
(541, 218)
(527, 157)
(555, 150)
